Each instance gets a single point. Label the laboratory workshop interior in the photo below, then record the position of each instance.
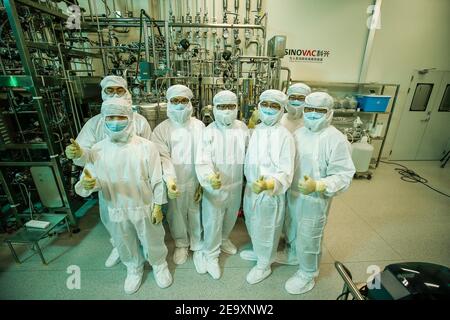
(225, 150)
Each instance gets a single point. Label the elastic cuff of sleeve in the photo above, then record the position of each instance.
(270, 184)
(320, 186)
(276, 189)
(80, 157)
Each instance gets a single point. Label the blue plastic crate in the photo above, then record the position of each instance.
(373, 103)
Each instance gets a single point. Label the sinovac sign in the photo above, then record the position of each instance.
(307, 55)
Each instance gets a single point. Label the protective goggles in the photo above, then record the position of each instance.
(312, 109)
(298, 97)
(178, 100)
(226, 106)
(110, 91)
(270, 104)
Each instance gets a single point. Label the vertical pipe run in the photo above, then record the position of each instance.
(147, 50)
(166, 31)
(247, 11)
(369, 43)
(146, 44)
(100, 40)
(170, 10)
(25, 57)
(197, 7)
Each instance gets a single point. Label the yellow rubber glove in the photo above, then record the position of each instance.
(198, 194)
(172, 189)
(73, 150)
(261, 184)
(215, 181)
(309, 185)
(88, 182)
(253, 121)
(157, 215)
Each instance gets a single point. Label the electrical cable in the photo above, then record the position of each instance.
(346, 294)
(143, 13)
(411, 176)
(152, 21)
(108, 13)
(28, 193)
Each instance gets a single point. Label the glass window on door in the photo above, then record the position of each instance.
(445, 103)
(421, 97)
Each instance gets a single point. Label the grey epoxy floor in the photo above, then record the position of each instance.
(375, 223)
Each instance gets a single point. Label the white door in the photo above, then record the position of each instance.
(414, 135)
(437, 135)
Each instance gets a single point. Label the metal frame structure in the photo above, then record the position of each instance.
(35, 85)
(218, 56)
(349, 286)
(355, 88)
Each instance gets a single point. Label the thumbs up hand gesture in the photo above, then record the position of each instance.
(263, 184)
(259, 185)
(253, 119)
(88, 182)
(307, 186)
(172, 190)
(73, 150)
(157, 215)
(215, 180)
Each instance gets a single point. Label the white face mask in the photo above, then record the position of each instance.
(118, 130)
(315, 121)
(179, 113)
(269, 116)
(225, 117)
(116, 125)
(295, 108)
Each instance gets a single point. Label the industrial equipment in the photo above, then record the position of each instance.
(356, 123)
(399, 281)
(53, 55)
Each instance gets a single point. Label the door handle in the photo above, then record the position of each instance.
(425, 120)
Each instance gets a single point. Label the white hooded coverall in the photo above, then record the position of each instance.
(222, 151)
(177, 142)
(292, 120)
(128, 174)
(324, 154)
(270, 154)
(94, 131)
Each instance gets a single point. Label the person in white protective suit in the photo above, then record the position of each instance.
(94, 131)
(178, 138)
(126, 170)
(269, 168)
(220, 172)
(292, 120)
(323, 169)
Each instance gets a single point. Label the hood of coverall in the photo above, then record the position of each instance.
(272, 95)
(320, 100)
(118, 107)
(174, 112)
(296, 111)
(114, 81)
(225, 118)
